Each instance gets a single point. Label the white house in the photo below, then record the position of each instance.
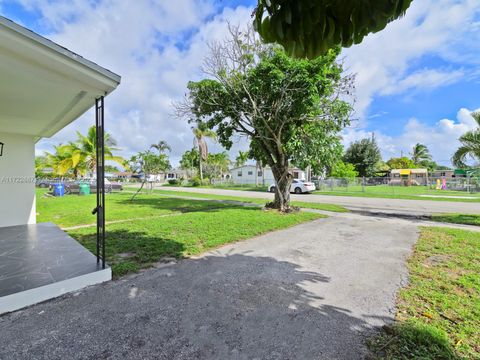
(43, 88)
(250, 174)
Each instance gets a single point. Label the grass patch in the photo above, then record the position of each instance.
(466, 219)
(135, 245)
(439, 311)
(258, 201)
(400, 192)
(153, 227)
(74, 210)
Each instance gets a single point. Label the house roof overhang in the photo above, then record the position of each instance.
(43, 86)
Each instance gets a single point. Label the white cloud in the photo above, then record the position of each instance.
(441, 138)
(423, 80)
(157, 47)
(383, 62)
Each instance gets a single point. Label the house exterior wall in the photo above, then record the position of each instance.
(17, 180)
(247, 174)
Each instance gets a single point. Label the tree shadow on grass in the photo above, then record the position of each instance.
(130, 251)
(236, 306)
(187, 205)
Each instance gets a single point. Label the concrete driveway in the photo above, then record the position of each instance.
(415, 207)
(314, 291)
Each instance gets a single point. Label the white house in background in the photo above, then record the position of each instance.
(43, 88)
(250, 174)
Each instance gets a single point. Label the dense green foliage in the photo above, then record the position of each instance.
(420, 154)
(344, 170)
(241, 158)
(190, 159)
(470, 147)
(290, 109)
(364, 155)
(308, 28)
(78, 158)
(401, 163)
(216, 165)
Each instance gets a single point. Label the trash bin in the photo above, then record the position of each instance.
(58, 189)
(84, 189)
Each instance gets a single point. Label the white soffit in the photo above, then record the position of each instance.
(43, 86)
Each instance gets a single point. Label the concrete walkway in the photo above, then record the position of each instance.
(314, 291)
(416, 207)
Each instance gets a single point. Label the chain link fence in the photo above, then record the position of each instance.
(386, 185)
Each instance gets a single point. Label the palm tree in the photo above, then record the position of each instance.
(162, 146)
(201, 132)
(470, 145)
(88, 148)
(241, 158)
(420, 153)
(66, 158)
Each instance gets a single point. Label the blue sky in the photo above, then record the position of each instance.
(417, 81)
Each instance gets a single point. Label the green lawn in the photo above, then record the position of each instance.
(466, 219)
(259, 201)
(400, 192)
(246, 187)
(153, 226)
(439, 310)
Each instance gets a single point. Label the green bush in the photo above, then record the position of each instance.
(173, 182)
(196, 181)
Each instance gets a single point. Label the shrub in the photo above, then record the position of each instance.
(173, 182)
(196, 181)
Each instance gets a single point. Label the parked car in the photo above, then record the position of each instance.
(73, 187)
(297, 187)
(45, 183)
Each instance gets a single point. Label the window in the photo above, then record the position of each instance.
(443, 174)
(250, 173)
(295, 175)
(239, 173)
(260, 174)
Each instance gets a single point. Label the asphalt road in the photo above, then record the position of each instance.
(415, 207)
(314, 291)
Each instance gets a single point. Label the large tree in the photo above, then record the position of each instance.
(401, 163)
(420, 154)
(309, 28)
(87, 145)
(216, 165)
(190, 161)
(470, 145)
(365, 155)
(148, 163)
(162, 147)
(241, 158)
(200, 133)
(290, 109)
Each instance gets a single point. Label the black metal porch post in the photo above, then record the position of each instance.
(100, 152)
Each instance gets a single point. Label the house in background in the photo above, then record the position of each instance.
(447, 174)
(409, 177)
(251, 175)
(43, 88)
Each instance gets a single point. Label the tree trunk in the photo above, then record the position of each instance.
(283, 180)
(200, 168)
(256, 174)
(139, 189)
